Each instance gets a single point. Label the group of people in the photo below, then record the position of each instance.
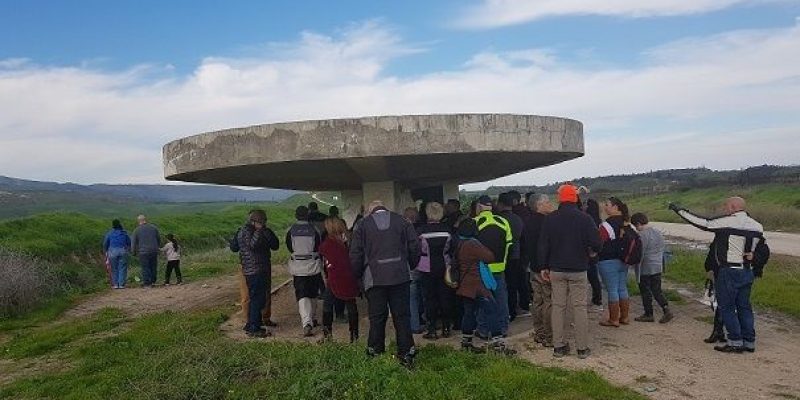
(437, 270)
(145, 244)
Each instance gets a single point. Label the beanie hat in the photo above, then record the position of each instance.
(567, 194)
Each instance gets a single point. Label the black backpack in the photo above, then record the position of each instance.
(233, 243)
(631, 246)
(760, 257)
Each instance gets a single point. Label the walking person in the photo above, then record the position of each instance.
(613, 271)
(305, 266)
(542, 289)
(737, 239)
(494, 232)
(255, 242)
(385, 248)
(470, 254)
(146, 243)
(649, 271)
(519, 296)
(568, 239)
(116, 247)
(172, 250)
(341, 283)
(436, 248)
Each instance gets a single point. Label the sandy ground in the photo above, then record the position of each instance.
(779, 242)
(663, 361)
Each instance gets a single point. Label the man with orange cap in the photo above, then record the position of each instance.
(568, 239)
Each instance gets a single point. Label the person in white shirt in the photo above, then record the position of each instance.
(172, 250)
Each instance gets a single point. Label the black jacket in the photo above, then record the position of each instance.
(530, 241)
(255, 249)
(516, 224)
(567, 237)
(384, 249)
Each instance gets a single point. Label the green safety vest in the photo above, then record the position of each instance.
(487, 218)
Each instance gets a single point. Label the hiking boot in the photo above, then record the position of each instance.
(644, 318)
(353, 336)
(560, 352)
(730, 349)
(446, 332)
(585, 353)
(431, 335)
(716, 337)
(613, 316)
(666, 317)
(308, 331)
(624, 311)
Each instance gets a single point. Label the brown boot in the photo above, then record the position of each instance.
(613, 316)
(624, 310)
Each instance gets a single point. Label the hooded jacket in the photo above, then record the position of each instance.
(116, 240)
(384, 249)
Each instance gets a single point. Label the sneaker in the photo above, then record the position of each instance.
(666, 317)
(585, 353)
(729, 349)
(560, 352)
(308, 331)
(166, 283)
(644, 318)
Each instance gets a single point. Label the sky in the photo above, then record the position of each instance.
(91, 90)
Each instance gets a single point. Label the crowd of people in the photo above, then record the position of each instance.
(438, 270)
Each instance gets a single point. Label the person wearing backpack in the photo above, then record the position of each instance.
(436, 248)
(649, 270)
(741, 253)
(613, 270)
(477, 298)
(305, 266)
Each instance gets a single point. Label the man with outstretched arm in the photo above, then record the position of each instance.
(736, 236)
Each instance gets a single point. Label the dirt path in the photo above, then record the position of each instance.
(664, 361)
(779, 242)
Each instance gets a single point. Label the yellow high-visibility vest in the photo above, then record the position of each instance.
(486, 219)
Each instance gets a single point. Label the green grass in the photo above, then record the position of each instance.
(672, 295)
(777, 207)
(778, 289)
(179, 356)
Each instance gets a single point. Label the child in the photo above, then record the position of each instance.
(173, 252)
(650, 269)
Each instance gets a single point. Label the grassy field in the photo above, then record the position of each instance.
(778, 289)
(180, 356)
(777, 207)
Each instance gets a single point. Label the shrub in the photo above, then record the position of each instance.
(24, 283)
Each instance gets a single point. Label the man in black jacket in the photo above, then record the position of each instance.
(383, 251)
(568, 239)
(256, 242)
(519, 296)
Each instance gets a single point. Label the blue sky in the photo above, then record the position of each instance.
(112, 81)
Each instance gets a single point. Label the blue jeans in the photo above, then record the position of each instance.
(733, 299)
(119, 268)
(415, 302)
(498, 313)
(614, 274)
(472, 308)
(149, 265)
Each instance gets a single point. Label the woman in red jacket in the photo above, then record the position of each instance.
(341, 283)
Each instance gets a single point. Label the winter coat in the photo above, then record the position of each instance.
(146, 239)
(568, 235)
(469, 252)
(255, 249)
(384, 250)
(116, 240)
(172, 251)
(303, 240)
(436, 248)
(338, 270)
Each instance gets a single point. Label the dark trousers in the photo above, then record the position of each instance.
(174, 265)
(519, 295)
(439, 301)
(257, 290)
(650, 288)
(594, 281)
(149, 266)
(733, 299)
(329, 302)
(469, 321)
(719, 326)
(381, 300)
(338, 307)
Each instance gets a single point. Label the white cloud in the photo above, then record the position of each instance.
(89, 125)
(497, 13)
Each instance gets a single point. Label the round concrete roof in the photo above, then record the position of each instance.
(340, 154)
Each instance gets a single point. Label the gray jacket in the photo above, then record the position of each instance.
(384, 249)
(652, 252)
(302, 240)
(146, 240)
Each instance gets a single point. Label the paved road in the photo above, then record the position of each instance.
(779, 242)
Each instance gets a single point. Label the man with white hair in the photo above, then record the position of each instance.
(736, 237)
(146, 243)
(384, 250)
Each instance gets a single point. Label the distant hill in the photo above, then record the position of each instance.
(673, 180)
(149, 193)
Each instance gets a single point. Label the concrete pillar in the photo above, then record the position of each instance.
(352, 201)
(450, 191)
(394, 196)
